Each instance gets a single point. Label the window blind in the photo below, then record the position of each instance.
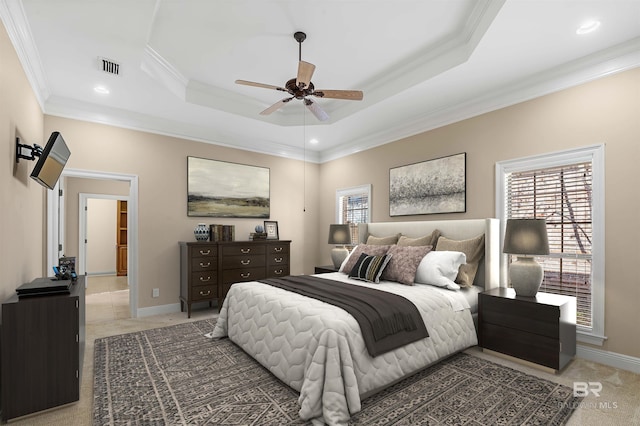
(562, 196)
(354, 209)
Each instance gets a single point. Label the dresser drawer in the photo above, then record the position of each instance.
(204, 251)
(523, 316)
(203, 264)
(277, 271)
(278, 248)
(532, 347)
(244, 261)
(277, 259)
(242, 250)
(245, 274)
(205, 292)
(204, 278)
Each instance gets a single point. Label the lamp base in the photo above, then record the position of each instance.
(526, 276)
(338, 255)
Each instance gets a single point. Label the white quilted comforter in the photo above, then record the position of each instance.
(316, 348)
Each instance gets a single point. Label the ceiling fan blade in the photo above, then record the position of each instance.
(305, 72)
(316, 110)
(276, 106)
(350, 95)
(264, 86)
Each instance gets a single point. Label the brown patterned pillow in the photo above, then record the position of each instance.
(427, 240)
(370, 249)
(473, 248)
(404, 263)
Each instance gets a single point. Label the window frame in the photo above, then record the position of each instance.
(353, 190)
(595, 155)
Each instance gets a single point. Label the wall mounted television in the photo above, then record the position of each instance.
(52, 160)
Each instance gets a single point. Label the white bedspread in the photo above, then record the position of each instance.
(316, 348)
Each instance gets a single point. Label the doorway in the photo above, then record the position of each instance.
(55, 222)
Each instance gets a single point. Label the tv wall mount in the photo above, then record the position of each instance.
(27, 152)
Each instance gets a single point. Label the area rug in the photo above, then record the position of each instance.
(176, 376)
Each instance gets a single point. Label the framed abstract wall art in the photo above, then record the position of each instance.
(223, 189)
(429, 187)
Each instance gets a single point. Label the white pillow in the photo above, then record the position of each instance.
(440, 268)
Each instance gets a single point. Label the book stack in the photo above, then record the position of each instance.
(222, 232)
(258, 236)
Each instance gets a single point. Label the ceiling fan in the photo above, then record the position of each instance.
(301, 87)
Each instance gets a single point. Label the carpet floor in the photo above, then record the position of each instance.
(176, 376)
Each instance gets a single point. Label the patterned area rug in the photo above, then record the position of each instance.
(176, 376)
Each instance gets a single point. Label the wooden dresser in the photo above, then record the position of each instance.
(540, 329)
(207, 269)
(42, 351)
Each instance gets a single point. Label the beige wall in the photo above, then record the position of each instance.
(605, 111)
(22, 221)
(160, 162)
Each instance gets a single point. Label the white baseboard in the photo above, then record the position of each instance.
(158, 310)
(612, 359)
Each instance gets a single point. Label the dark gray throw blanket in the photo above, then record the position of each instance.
(387, 321)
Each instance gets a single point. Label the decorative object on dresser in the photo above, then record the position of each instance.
(213, 188)
(198, 274)
(339, 234)
(432, 186)
(539, 329)
(526, 237)
(222, 232)
(201, 232)
(42, 350)
(271, 229)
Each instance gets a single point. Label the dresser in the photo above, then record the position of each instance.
(198, 274)
(540, 329)
(42, 349)
(208, 269)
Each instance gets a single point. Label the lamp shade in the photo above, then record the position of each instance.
(339, 234)
(526, 237)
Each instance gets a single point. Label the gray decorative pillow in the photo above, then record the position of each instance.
(374, 250)
(473, 248)
(369, 268)
(384, 241)
(404, 263)
(427, 240)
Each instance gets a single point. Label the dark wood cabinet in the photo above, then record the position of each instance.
(209, 268)
(540, 329)
(42, 342)
(198, 274)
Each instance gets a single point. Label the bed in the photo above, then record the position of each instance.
(317, 349)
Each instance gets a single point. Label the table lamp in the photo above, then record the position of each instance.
(526, 238)
(339, 235)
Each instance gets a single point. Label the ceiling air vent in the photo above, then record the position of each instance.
(109, 66)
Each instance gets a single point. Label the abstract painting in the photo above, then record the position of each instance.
(223, 189)
(428, 187)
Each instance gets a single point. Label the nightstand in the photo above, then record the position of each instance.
(326, 269)
(540, 329)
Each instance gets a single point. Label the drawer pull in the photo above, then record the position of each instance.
(247, 275)
(277, 249)
(204, 253)
(278, 259)
(278, 271)
(202, 293)
(245, 250)
(245, 262)
(205, 265)
(204, 280)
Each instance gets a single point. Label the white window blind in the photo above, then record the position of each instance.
(563, 196)
(353, 207)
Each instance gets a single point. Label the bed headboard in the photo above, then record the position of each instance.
(488, 275)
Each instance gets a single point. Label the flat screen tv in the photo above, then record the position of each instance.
(51, 162)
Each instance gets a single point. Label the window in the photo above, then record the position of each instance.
(566, 189)
(353, 207)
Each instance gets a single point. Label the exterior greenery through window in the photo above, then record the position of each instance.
(353, 207)
(567, 189)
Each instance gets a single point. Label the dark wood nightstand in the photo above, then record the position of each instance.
(540, 329)
(326, 269)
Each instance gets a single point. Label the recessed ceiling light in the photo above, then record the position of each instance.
(588, 27)
(313, 141)
(101, 90)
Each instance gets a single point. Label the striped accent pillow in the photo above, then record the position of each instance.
(369, 268)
